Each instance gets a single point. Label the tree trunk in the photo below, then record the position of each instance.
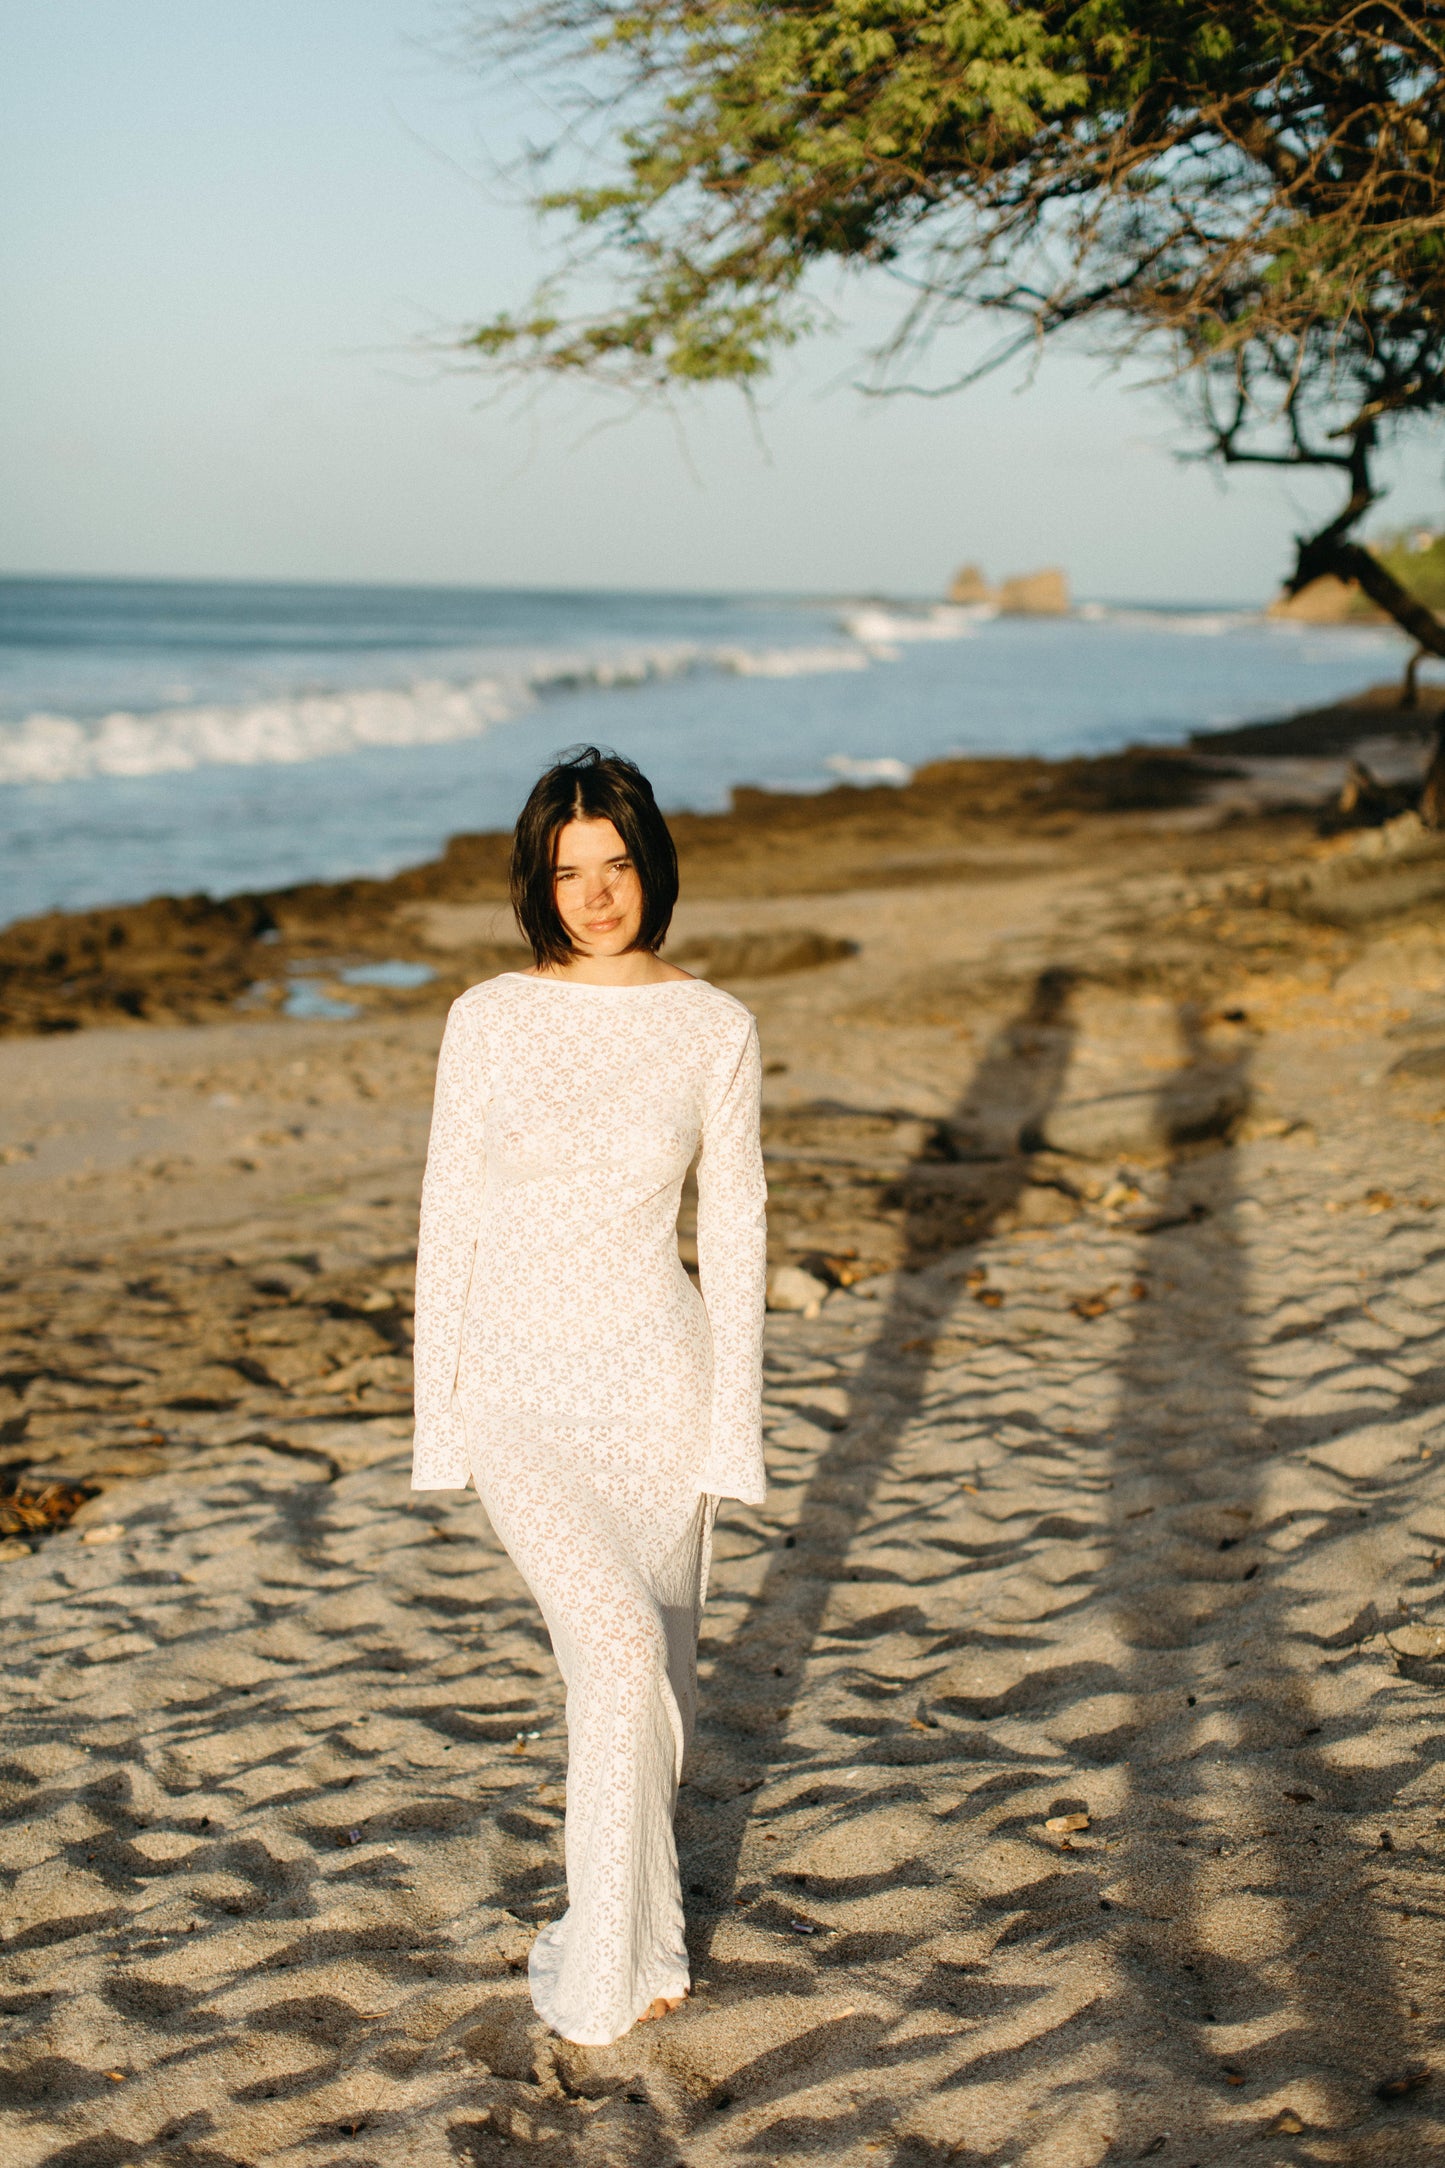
(1432, 797)
(1410, 690)
(1351, 561)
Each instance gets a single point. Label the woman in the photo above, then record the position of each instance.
(564, 1360)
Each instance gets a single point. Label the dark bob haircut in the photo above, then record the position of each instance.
(588, 784)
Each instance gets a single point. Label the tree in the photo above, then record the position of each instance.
(1247, 194)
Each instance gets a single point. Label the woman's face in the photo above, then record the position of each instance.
(599, 897)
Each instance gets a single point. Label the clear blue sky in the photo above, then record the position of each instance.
(226, 233)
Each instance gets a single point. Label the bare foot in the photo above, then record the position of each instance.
(661, 2007)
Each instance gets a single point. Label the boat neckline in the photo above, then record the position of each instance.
(590, 986)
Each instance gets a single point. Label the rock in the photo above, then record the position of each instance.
(282, 1278)
(1038, 1205)
(1188, 1109)
(762, 955)
(1027, 594)
(968, 586)
(1036, 594)
(791, 1288)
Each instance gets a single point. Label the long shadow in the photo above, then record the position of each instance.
(1022, 1067)
(1248, 1958)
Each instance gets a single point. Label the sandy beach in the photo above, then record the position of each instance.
(1066, 1790)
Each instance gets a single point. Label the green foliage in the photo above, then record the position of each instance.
(1255, 189)
(1249, 193)
(1421, 572)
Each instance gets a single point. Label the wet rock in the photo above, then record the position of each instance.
(762, 955)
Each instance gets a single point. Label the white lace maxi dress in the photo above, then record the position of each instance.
(565, 1363)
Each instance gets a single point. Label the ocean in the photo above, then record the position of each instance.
(182, 736)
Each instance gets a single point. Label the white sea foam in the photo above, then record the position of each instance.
(317, 726)
(787, 662)
(1193, 624)
(854, 769)
(881, 630)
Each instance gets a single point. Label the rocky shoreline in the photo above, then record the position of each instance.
(196, 959)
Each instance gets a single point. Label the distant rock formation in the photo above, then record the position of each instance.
(969, 585)
(1036, 594)
(1326, 601)
(1027, 594)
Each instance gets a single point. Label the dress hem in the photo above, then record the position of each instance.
(540, 1975)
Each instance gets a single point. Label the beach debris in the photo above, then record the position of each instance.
(1066, 1825)
(28, 1512)
(1287, 2124)
(12, 1547)
(803, 1927)
(1425, 1644)
(1232, 2077)
(107, 1532)
(1404, 2082)
(1364, 801)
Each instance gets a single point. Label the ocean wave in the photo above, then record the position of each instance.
(877, 628)
(788, 662)
(1192, 624)
(292, 728)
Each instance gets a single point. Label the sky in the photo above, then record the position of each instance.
(236, 242)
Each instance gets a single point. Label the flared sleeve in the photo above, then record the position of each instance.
(451, 1209)
(732, 1263)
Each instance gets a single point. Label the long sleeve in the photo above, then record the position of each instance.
(451, 1207)
(732, 1257)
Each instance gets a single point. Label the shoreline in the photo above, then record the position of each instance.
(193, 959)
